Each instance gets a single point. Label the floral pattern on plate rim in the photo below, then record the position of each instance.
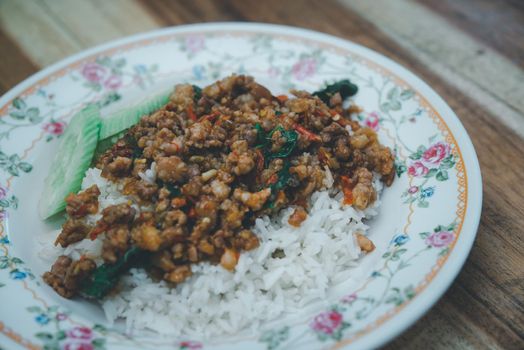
(426, 166)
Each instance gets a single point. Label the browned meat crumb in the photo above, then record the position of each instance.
(76, 272)
(229, 259)
(245, 240)
(73, 231)
(83, 203)
(146, 191)
(241, 159)
(363, 192)
(119, 167)
(298, 216)
(116, 243)
(365, 243)
(118, 214)
(254, 201)
(147, 237)
(179, 274)
(66, 275)
(55, 277)
(115, 223)
(171, 169)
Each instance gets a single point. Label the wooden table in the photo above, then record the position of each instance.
(470, 52)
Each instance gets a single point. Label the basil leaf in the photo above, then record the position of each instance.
(261, 136)
(283, 178)
(286, 149)
(174, 190)
(197, 93)
(106, 276)
(264, 142)
(345, 87)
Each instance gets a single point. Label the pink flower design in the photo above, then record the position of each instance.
(194, 43)
(413, 189)
(113, 82)
(434, 155)
(304, 68)
(76, 345)
(54, 128)
(80, 333)
(3, 192)
(440, 239)
(349, 298)
(417, 169)
(372, 121)
(61, 316)
(94, 72)
(190, 345)
(273, 72)
(327, 322)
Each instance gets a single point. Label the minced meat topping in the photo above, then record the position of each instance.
(223, 155)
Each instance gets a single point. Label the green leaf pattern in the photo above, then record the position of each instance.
(13, 164)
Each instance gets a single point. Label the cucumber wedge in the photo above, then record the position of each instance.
(75, 152)
(126, 118)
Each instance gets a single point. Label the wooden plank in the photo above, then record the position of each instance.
(128, 16)
(51, 30)
(37, 34)
(477, 70)
(444, 327)
(174, 13)
(15, 66)
(95, 22)
(498, 24)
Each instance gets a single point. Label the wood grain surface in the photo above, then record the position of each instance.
(484, 308)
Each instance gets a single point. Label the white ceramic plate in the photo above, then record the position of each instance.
(423, 234)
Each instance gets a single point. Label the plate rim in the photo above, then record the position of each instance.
(419, 305)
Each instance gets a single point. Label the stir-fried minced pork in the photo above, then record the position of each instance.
(223, 156)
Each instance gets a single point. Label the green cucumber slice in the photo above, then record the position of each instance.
(126, 118)
(75, 152)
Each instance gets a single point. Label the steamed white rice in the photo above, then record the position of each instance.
(320, 258)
